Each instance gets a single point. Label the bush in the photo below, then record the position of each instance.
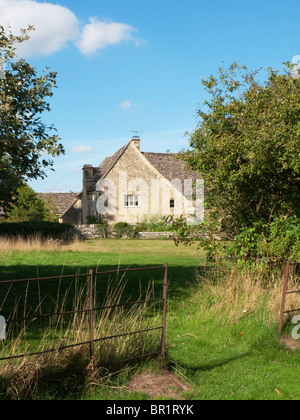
(161, 224)
(277, 241)
(122, 229)
(245, 244)
(28, 207)
(43, 229)
(284, 239)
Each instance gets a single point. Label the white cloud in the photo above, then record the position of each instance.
(82, 149)
(55, 25)
(126, 105)
(97, 35)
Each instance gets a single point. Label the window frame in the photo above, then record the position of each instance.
(131, 201)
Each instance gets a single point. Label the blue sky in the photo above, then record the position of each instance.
(136, 65)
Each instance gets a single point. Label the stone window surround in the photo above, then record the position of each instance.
(131, 200)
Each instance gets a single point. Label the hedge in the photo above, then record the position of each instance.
(43, 229)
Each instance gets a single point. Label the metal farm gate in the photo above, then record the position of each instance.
(91, 308)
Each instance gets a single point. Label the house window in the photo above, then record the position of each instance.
(172, 204)
(132, 201)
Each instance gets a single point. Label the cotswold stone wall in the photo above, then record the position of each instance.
(91, 231)
(155, 235)
(84, 231)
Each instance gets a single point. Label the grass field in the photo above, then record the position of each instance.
(221, 334)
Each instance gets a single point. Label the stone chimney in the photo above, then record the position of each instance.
(87, 181)
(137, 142)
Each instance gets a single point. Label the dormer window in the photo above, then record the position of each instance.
(131, 201)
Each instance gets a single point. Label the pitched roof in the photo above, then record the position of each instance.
(106, 165)
(170, 166)
(167, 164)
(61, 201)
(111, 160)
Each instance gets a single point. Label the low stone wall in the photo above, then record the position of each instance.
(84, 232)
(155, 235)
(91, 231)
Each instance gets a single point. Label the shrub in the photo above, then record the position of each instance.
(29, 207)
(284, 239)
(161, 224)
(147, 225)
(122, 229)
(245, 244)
(277, 241)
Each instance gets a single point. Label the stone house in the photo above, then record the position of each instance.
(131, 185)
(67, 206)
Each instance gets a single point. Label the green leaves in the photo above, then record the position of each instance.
(247, 146)
(29, 207)
(24, 138)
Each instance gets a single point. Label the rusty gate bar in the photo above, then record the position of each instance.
(293, 291)
(51, 350)
(286, 277)
(36, 316)
(122, 270)
(68, 276)
(91, 312)
(164, 313)
(126, 334)
(49, 315)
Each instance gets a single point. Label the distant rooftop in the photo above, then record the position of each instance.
(61, 201)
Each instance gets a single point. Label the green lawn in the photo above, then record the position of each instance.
(241, 360)
(106, 255)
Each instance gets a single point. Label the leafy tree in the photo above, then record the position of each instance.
(29, 207)
(24, 138)
(247, 147)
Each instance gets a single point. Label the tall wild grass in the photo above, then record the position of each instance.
(19, 378)
(227, 295)
(31, 243)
